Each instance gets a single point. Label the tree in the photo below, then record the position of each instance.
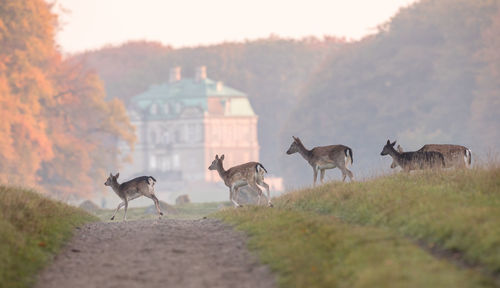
(57, 131)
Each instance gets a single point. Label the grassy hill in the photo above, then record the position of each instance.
(32, 229)
(418, 230)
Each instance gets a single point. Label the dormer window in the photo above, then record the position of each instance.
(153, 109)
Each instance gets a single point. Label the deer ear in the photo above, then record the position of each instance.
(388, 142)
(110, 175)
(117, 175)
(294, 138)
(216, 157)
(400, 149)
(222, 157)
(393, 143)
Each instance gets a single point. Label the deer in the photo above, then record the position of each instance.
(394, 164)
(455, 156)
(248, 174)
(324, 157)
(416, 160)
(132, 189)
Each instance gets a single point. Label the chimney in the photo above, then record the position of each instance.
(201, 73)
(219, 86)
(175, 74)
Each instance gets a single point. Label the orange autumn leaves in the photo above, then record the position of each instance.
(57, 131)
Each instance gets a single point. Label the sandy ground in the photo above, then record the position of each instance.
(156, 253)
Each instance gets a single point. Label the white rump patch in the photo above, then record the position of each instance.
(347, 160)
(151, 184)
(467, 156)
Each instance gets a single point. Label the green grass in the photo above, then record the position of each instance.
(32, 229)
(456, 210)
(363, 234)
(185, 211)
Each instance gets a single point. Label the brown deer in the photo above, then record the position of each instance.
(251, 174)
(393, 164)
(455, 156)
(416, 160)
(132, 189)
(324, 157)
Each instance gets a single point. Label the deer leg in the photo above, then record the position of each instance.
(351, 176)
(157, 203)
(264, 184)
(346, 172)
(254, 186)
(322, 175)
(315, 175)
(117, 208)
(126, 206)
(233, 194)
(237, 192)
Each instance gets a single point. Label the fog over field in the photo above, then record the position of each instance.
(429, 75)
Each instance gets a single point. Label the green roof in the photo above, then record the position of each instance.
(168, 97)
(240, 107)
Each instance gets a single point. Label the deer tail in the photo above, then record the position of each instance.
(259, 168)
(151, 180)
(348, 155)
(468, 157)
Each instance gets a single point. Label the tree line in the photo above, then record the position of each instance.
(429, 75)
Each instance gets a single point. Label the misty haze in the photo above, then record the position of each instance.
(313, 138)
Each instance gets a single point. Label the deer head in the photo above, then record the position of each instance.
(215, 163)
(388, 148)
(111, 179)
(295, 146)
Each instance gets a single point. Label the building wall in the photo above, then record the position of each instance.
(165, 146)
(235, 137)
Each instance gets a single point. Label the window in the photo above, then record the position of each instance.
(194, 132)
(176, 161)
(166, 137)
(164, 164)
(152, 162)
(152, 138)
(153, 109)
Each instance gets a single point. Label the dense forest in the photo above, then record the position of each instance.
(47, 139)
(429, 75)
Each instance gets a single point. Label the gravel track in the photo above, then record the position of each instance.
(156, 253)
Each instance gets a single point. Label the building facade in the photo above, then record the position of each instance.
(181, 125)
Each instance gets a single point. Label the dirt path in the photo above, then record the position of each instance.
(163, 253)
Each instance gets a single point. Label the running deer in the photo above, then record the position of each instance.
(132, 189)
(325, 157)
(416, 160)
(251, 174)
(456, 156)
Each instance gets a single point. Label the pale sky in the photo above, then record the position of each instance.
(92, 24)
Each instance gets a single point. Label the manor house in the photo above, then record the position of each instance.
(182, 124)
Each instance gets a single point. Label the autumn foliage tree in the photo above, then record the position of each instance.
(57, 131)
